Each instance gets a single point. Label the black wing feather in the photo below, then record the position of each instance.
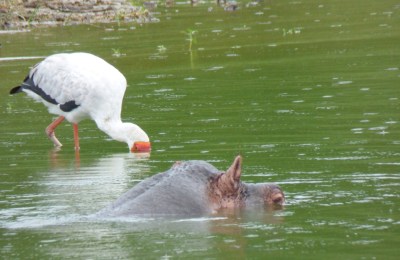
(30, 85)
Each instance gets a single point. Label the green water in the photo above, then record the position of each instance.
(306, 91)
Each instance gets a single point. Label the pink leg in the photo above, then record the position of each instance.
(76, 137)
(50, 131)
(76, 141)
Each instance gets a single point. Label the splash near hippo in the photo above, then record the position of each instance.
(194, 188)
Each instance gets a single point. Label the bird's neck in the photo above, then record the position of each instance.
(114, 128)
(123, 132)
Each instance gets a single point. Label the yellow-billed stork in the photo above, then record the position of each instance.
(80, 85)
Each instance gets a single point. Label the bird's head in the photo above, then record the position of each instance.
(141, 147)
(137, 139)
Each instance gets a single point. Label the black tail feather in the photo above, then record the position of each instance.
(15, 90)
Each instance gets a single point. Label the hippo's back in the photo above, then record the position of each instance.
(182, 190)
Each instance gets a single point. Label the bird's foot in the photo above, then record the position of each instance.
(53, 138)
(50, 131)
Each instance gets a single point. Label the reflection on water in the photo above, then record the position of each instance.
(21, 58)
(68, 192)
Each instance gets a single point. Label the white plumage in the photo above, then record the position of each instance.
(76, 86)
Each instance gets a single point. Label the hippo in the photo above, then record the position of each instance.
(194, 188)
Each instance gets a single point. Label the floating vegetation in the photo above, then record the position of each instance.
(242, 28)
(291, 31)
(161, 49)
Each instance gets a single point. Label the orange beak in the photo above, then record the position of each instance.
(141, 147)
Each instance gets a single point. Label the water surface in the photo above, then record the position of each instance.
(306, 91)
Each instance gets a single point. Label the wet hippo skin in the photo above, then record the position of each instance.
(194, 188)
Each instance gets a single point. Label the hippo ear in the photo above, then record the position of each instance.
(229, 182)
(235, 170)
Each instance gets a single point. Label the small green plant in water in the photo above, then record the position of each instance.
(119, 17)
(9, 108)
(116, 52)
(190, 37)
(161, 49)
(32, 17)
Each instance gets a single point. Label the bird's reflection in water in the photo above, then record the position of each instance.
(69, 189)
(86, 182)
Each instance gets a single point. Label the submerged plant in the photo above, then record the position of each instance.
(9, 107)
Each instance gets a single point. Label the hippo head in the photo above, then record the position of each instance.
(226, 190)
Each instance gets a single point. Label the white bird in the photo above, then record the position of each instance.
(76, 86)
